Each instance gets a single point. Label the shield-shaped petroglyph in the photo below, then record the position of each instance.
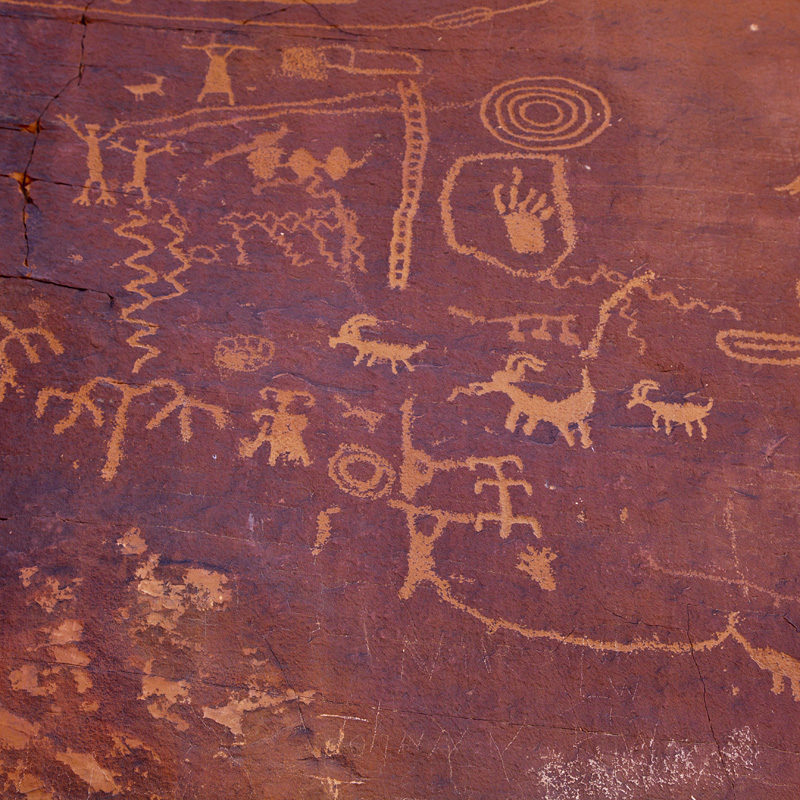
(510, 210)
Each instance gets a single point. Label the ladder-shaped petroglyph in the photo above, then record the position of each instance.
(141, 154)
(140, 90)
(25, 340)
(315, 63)
(760, 347)
(217, 80)
(686, 413)
(543, 327)
(375, 351)
(570, 412)
(144, 230)
(282, 427)
(417, 140)
(90, 398)
(94, 160)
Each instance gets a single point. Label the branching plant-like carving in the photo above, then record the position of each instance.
(523, 218)
(23, 337)
(671, 414)
(374, 350)
(570, 412)
(83, 400)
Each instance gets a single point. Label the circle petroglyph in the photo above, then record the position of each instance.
(361, 472)
(545, 113)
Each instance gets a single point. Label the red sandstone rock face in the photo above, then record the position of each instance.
(399, 400)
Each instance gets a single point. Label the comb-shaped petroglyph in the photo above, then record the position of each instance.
(87, 398)
(281, 428)
(25, 339)
(543, 327)
(686, 413)
(331, 232)
(570, 412)
(375, 351)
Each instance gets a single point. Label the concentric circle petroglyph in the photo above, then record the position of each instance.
(360, 471)
(545, 113)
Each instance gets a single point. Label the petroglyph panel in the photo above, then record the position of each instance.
(399, 400)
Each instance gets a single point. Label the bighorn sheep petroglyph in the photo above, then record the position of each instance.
(374, 350)
(671, 413)
(570, 412)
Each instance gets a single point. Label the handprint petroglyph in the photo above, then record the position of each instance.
(524, 219)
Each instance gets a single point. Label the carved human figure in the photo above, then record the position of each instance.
(281, 428)
(94, 161)
(140, 157)
(217, 80)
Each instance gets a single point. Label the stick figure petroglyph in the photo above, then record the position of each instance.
(94, 160)
(140, 157)
(217, 80)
